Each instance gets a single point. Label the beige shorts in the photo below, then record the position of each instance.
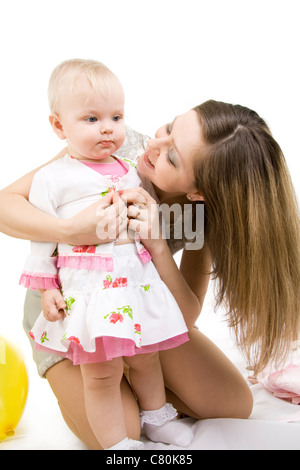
(32, 309)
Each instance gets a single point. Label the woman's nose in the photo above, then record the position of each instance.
(154, 146)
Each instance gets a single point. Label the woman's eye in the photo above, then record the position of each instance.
(170, 160)
(168, 129)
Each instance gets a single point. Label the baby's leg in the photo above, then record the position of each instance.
(103, 401)
(158, 418)
(147, 380)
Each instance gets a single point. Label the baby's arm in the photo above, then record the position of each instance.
(53, 304)
(40, 270)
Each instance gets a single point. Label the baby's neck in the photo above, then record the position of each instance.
(109, 159)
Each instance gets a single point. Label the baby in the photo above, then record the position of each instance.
(102, 304)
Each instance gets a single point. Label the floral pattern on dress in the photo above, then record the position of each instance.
(146, 287)
(75, 340)
(69, 302)
(44, 337)
(130, 162)
(108, 190)
(31, 335)
(108, 283)
(138, 331)
(114, 316)
(84, 248)
(114, 178)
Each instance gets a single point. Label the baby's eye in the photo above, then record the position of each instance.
(91, 119)
(117, 118)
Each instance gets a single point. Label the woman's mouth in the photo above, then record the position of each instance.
(148, 161)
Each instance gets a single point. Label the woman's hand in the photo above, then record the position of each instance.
(101, 222)
(143, 217)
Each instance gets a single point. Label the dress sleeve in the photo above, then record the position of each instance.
(40, 270)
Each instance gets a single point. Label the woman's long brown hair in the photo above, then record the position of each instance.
(253, 229)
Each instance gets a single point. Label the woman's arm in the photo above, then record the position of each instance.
(20, 219)
(190, 283)
(195, 267)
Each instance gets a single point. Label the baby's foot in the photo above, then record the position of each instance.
(162, 426)
(127, 444)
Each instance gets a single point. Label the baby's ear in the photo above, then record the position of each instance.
(56, 124)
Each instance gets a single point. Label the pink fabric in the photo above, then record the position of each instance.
(116, 168)
(283, 384)
(42, 281)
(98, 262)
(107, 348)
(144, 255)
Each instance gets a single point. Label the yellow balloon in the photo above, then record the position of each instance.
(13, 387)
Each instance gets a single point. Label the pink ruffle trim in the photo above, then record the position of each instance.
(144, 255)
(101, 263)
(35, 282)
(109, 347)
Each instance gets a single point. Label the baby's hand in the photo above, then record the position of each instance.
(53, 304)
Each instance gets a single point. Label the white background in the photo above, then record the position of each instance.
(170, 55)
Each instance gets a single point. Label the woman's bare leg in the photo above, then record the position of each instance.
(67, 385)
(201, 381)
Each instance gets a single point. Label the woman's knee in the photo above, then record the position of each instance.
(243, 402)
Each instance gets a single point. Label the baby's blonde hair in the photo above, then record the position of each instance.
(64, 78)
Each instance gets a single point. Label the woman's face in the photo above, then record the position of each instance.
(169, 159)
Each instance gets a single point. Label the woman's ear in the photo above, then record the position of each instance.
(56, 124)
(196, 196)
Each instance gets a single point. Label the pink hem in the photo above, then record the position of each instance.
(109, 347)
(101, 263)
(35, 282)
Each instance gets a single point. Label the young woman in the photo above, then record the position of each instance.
(225, 155)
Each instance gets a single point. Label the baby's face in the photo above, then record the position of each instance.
(93, 123)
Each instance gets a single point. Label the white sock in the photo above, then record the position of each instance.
(162, 426)
(127, 444)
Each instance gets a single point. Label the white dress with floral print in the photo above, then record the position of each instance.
(117, 305)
